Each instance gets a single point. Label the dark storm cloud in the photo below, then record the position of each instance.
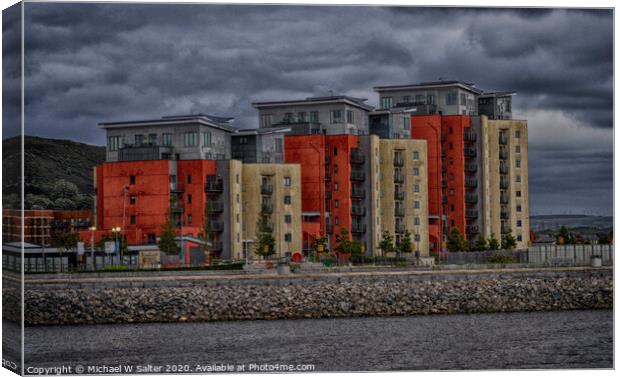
(90, 63)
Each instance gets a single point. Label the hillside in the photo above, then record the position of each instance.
(47, 161)
(554, 222)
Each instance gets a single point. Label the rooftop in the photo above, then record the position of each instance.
(224, 123)
(359, 102)
(262, 131)
(470, 86)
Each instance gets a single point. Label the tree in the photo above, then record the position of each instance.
(167, 239)
(64, 241)
(508, 241)
(456, 241)
(64, 204)
(405, 243)
(481, 244)
(347, 246)
(265, 243)
(564, 237)
(63, 189)
(320, 245)
(387, 243)
(493, 242)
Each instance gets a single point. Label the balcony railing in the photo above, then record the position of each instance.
(503, 138)
(471, 229)
(266, 188)
(358, 192)
(399, 228)
(444, 183)
(504, 183)
(358, 211)
(327, 159)
(399, 211)
(504, 212)
(328, 177)
(266, 208)
(444, 168)
(505, 228)
(504, 198)
(503, 153)
(214, 186)
(217, 247)
(443, 153)
(444, 199)
(471, 213)
(215, 207)
(469, 151)
(358, 175)
(329, 228)
(358, 228)
(398, 160)
(177, 207)
(328, 194)
(399, 177)
(471, 182)
(357, 157)
(216, 226)
(469, 135)
(399, 195)
(471, 197)
(176, 187)
(471, 167)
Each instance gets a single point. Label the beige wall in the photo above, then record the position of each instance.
(252, 200)
(236, 209)
(386, 182)
(517, 175)
(375, 193)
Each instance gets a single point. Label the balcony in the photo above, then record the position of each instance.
(469, 152)
(469, 135)
(328, 194)
(358, 211)
(358, 175)
(444, 183)
(328, 177)
(471, 167)
(266, 188)
(471, 229)
(399, 211)
(504, 214)
(215, 207)
(329, 228)
(503, 168)
(399, 194)
(358, 192)
(471, 213)
(471, 197)
(505, 228)
(216, 226)
(399, 177)
(504, 198)
(357, 157)
(444, 199)
(214, 186)
(358, 228)
(471, 181)
(399, 228)
(217, 247)
(177, 207)
(266, 208)
(444, 154)
(144, 152)
(503, 138)
(398, 160)
(503, 153)
(504, 183)
(444, 168)
(327, 159)
(176, 187)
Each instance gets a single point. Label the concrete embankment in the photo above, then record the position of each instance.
(245, 297)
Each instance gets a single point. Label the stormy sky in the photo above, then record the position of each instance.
(91, 63)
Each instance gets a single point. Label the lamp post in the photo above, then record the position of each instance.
(92, 244)
(116, 231)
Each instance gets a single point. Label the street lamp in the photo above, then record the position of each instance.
(92, 244)
(116, 231)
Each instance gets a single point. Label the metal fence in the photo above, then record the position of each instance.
(546, 255)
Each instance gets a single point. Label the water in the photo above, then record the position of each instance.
(568, 339)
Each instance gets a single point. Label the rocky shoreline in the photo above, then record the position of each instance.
(323, 299)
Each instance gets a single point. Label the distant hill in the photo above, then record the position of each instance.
(47, 161)
(554, 222)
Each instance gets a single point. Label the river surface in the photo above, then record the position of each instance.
(567, 339)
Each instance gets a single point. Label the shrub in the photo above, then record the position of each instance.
(500, 258)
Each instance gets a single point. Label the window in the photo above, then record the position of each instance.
(451, 192)
(166, 139)
(406, 99)
(301, 116)
(287, 199)
(518, 208)
(416, 172)
(189, 178)
(336, 203)
(419, 98)
(430, 99)
(452, 207)
(314, 117)
(416, 204)
(206, 139)
(266, 120)
(350, 118)
(189, 199)
(463, 99)
(386, 102)
(517, 149)
(151, 239)
(337, 221)
(288, 237)
(335, 169)
(132, 179)
(152, 139)
(336, 116)
(416, 155)
(132, 199)
(416, 221)
(406, 122)
(517, 133)
(238, 218)
(287, 181)
(450, 130)
(518, 178)
(132, 219)
(237, 178)
(518, 163)
(416, 188)
(288, 219)
(189, 219)
(139, 140)
(288, 117)
(335, 152)
(518, 193)
(519, 238)
(416, 237)
(451, 98)
(451, 145)
(335, 186)
(191, 139)
(519, 222)
(114, 143)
